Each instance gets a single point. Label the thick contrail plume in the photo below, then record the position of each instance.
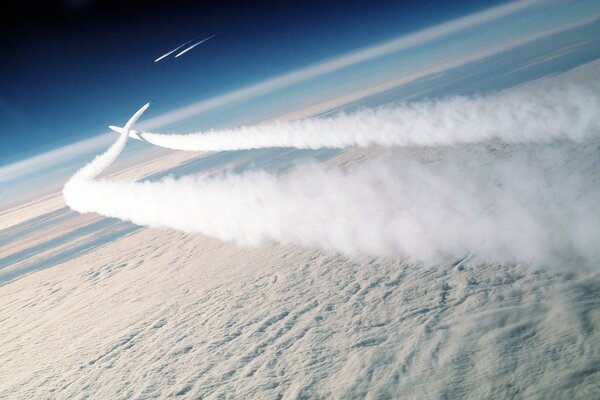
(518, 116)
(530, 206)
(194, 45)
(531, 196)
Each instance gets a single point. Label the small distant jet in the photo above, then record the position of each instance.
(132, 132)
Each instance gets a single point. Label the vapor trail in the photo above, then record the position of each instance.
(194, 45)
(536, 207)
(172, 51)
(517, 116)
(534, 203)
(101, 162)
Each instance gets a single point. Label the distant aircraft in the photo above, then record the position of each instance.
(132, 132)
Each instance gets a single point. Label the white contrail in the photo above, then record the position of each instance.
(172, 51)
(194, 45)
(537, 207)
(353, 58)
(101, 162)
(536, 203)
(517, 116)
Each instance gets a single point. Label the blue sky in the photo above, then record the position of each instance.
(70, 71)
(69, 68)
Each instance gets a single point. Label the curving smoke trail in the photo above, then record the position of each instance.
(391, 206)
(101, 162)
(536, 204)
(518, 116)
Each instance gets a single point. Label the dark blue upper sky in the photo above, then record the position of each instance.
(69, 68)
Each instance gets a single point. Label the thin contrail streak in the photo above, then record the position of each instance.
(194, 45)
(172, 51)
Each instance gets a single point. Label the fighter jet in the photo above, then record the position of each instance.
(132, 132)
